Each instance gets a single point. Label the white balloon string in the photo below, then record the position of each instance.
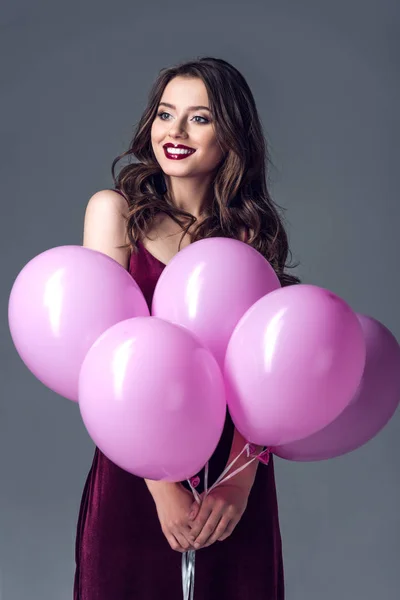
(228, 468)
(194, 491)
(206, 478)
(188, 571)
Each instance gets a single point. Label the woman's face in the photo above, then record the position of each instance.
(180, 122)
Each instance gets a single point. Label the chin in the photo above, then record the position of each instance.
(174, 168)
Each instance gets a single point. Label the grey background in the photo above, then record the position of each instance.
(75, 78)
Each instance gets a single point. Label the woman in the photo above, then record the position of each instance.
(201, 173)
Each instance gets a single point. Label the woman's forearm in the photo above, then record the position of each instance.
(246, 477)
(155, 486)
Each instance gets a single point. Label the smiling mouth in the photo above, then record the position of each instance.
(177, 153)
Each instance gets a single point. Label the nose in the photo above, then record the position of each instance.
(176, 134)
(177, 131)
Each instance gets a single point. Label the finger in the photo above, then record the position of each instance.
(182, 541)
(208, 529)
(186, 533)
(220, 531)
(173, 542)
(228, 531)
(194, 511)
(182, 533)
(201, 519)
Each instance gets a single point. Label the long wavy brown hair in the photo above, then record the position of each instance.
(241, 199)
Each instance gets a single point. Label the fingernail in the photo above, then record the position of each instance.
(192, 515)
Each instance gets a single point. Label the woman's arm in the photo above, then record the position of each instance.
(105, 225)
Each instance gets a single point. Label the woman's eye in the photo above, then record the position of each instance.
(204, 119)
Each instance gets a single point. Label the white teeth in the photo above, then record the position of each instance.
(179, 151)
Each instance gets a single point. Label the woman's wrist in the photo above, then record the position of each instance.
(245, 478)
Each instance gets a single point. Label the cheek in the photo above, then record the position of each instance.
(212, 149)
(212, 143)
(156, 131)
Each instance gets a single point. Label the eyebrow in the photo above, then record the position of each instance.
(189, 107)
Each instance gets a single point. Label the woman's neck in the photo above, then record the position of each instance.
(191, 194)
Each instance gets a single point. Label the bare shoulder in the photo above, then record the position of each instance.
(105, 225)
(108, 201)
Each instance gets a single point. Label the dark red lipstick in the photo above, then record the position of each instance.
(178, 155)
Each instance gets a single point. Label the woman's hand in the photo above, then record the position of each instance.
(219, 514)
(174, 505)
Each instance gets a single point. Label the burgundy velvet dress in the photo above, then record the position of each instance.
(121, 552)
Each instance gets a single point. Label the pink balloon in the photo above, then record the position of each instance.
(60, 303)
(152, 398)
(293, 364)
(373, 405)
(209, 285)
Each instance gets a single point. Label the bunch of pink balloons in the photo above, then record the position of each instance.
(304, 374)
(294, 365)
